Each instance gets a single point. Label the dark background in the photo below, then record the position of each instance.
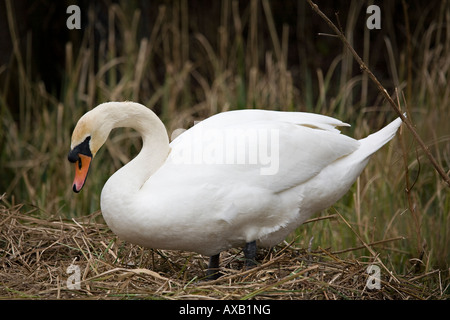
(43, 24)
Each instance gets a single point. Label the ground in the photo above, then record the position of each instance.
(82, 259)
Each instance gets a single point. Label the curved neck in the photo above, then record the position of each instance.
(155, 144)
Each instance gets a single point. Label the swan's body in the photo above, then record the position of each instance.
(166, 198)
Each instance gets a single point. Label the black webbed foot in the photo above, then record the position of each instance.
(213, 271)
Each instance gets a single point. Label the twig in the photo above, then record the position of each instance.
(369, 244)
(409, 186)
(383, 91)
(331, 216)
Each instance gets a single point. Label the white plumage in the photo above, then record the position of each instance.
(234, 178)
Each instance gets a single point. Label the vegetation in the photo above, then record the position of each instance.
(397, 214)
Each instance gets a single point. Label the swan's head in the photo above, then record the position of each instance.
(88, 136)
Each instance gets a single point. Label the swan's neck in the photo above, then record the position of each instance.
(127, 181)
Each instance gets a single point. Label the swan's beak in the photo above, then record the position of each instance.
(81, 172)
(82, 156)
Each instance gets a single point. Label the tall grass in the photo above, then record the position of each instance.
(240, 68)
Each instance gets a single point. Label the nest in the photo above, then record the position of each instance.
(44, 258)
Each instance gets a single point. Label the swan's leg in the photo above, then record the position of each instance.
(250, 254)
(213, 271)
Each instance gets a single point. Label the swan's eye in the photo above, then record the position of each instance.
(83, 148)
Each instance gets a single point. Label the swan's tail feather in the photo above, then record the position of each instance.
(375, 141)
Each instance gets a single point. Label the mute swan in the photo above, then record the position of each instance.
(237, 179)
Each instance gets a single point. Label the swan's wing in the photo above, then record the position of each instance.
(248, 116)
(232, 178)
(269, 149)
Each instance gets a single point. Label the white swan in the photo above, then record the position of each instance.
(238, 178)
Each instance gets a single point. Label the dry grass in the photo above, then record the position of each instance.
(36, 252)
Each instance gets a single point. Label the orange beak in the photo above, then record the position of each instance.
(81, 172)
